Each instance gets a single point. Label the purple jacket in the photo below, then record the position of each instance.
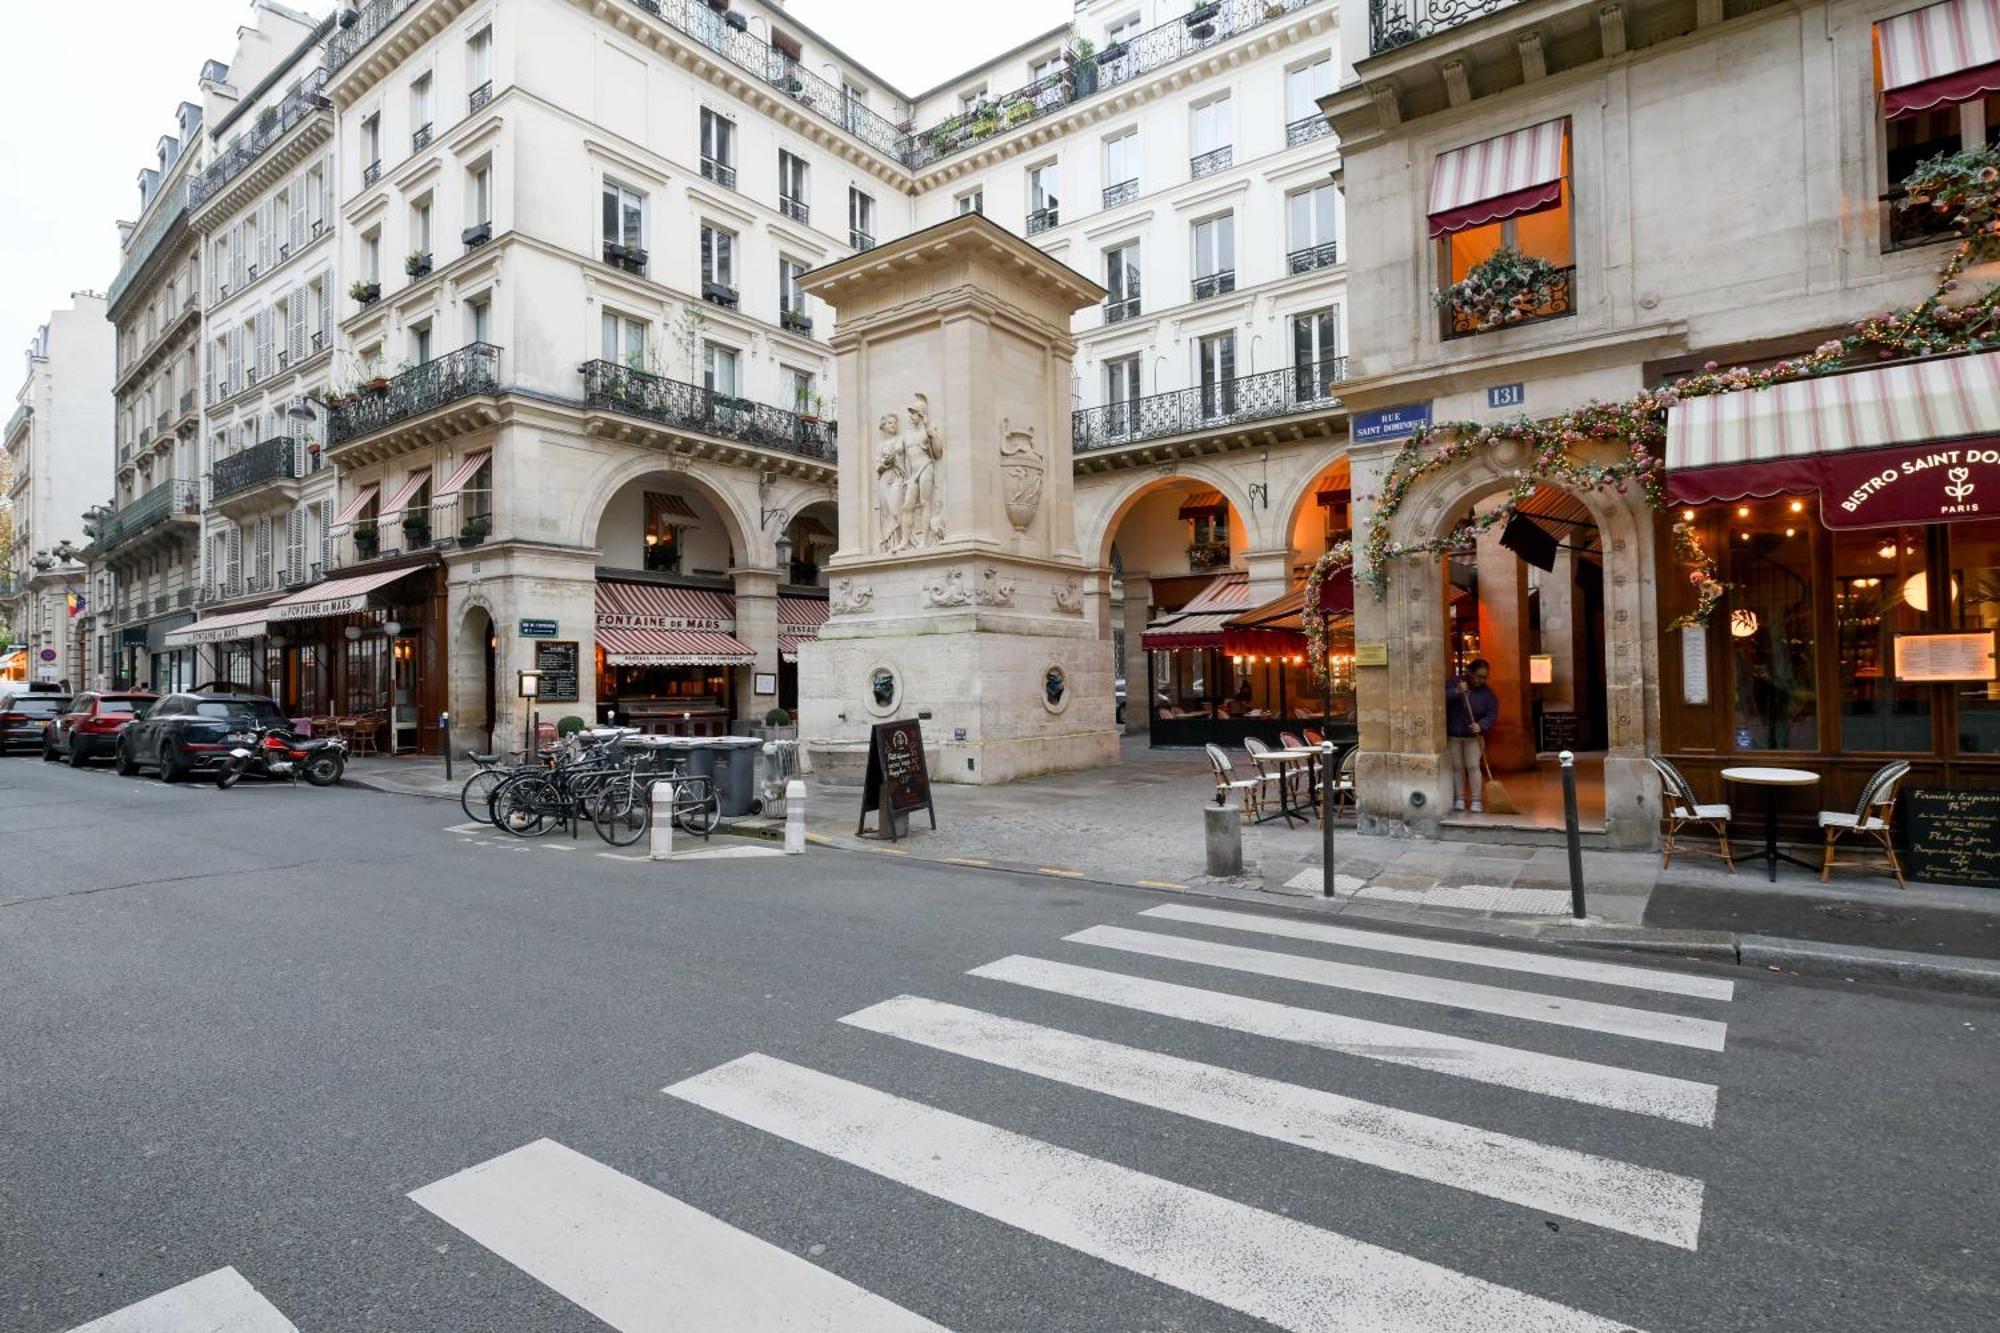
(1485, 708)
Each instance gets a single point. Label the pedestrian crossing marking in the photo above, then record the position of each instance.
(1275, 1268)
(1659, 1095)
(1618, 1020)
(1511, 960)
(643, 1261)
(218, 1302)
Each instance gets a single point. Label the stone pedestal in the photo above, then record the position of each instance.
(959, 596)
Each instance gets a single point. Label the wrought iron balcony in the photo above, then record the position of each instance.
(718, 171)
(1215, 284)
(611, 387)
(187, 402)
(1293, 391)
(472, 370)
(421, 139)
(21, 414)
(372, 172)
(168, 210)
(1394, 23)
(795, 321)
(1311, 257)
(1042, 219)
(480, 96)
(860, 240)
(719, 293)
(273, 460)
(347, 40)
(1207, 164)
(1552, 300)
(1124, 192)
(168, 500)
(795, 209)
(269, 128)
(1116, 310)
(1306, 129)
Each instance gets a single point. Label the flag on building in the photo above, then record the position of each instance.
(76, 604)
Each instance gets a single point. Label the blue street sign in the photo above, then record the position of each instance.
(538, 629)
(1390, 423)
(1506, 395)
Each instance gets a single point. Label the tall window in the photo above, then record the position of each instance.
(718, 369)
(624, 216)
(1121, 394)
(371, 146)
(481, 195)
(718, 148)
(1044, 206)
(972, 201)
(479, 321)
(420, 111)
(420, 226)
(718, 257)
(371, 256)
(799, 391)
(1315, 353)
(853, 106)
(1309, 220)
(1304, 87)
(1121, 281)
(791, 296)
(1121, 168)
(1214, 256)
(1215, 370)
(420, 344)
(792, 187)
(479, 66)
(1211, 139)
(860, 219)
(624, 340)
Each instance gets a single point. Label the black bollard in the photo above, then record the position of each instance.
(444, 738)
(1573, 835)
(1326, 771)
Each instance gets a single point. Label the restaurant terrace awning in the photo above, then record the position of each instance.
(336, 597)
(656, 624)
(799, 619)
(1497, 178)
(1917, 442)
(1198, 624)
(399, 498)
(221, 629)
(356, 503)
(1277, 628)
(1937, 56)
(462, 475)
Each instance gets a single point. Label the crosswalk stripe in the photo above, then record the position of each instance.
(1510, 960)
(643, 1261)
(1659, 1095)
(1639, 1201)
(1616, 1019)
(1275, 1268)
(218, 1302)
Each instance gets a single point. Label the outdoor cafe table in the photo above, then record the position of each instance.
(1774, 781)
(1282, 760)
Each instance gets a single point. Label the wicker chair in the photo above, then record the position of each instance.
(1871, 817)
(1290, 740)
(1253, 746)
(1226, 782)
(1680, 807)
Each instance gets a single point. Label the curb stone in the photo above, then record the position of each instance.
(1855, 962)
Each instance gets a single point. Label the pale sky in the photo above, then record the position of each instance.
(87, 87)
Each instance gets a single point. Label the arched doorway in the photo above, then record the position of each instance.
(474, 650)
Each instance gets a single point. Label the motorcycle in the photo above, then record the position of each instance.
(277, 753)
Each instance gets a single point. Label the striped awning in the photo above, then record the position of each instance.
(400, 497)
(673, 647)
(1198, 624)
(467, 468)
(655, 624)
(799, 619)
(788, 645)
(356, 503)
(221, 629)
(664, 510)
(1497, 178)
(1916, 442)
(336, 597)
(1937, 56)
(1201, 503)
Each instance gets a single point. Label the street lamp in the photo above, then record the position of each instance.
(785, 555)
(530, 685)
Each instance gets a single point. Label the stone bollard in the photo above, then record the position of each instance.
(662, 847)
(1222, 831)
(795, 817)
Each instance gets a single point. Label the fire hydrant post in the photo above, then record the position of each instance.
(795, 817)
(662, 797)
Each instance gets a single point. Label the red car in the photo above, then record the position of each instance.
(90, 726)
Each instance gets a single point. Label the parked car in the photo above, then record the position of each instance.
(89, 727)
(193, 732)
(25, 712)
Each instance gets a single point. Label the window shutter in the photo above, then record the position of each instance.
(235, 570)
(264, 552)
(325, 535)
(237, 245)
(234, 378)
(295, 335)
(263, 320)
(325, 319)
(267, 233)
(298, 199)
(295, 545)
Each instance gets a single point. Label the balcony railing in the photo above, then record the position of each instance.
(1124, 192)
(1215, 284)
(273, 460)
(1394, 23)
(1293, 391)
(21, 414)
(267, 130)
(1042, 219)
(795, 209)
(1207, 164)
(860, 240)
(346, 42)
(1306, 129)
(479, 96)
(611, 387)
(170, 499)
(1311, 257)
(372, 172)
(1116, 310)
(166, 212)
(187, 402)
(718, 171)
(472, 370)
(1556, 300)
(420, 138)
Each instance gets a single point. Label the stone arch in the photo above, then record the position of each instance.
(736, 508)
(472, 694)
(1302, 491)
(1403, 726)
(1120, 498)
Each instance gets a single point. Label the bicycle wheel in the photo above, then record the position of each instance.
(523, 806)
(476, 796)
(696, 807)
(620, 813)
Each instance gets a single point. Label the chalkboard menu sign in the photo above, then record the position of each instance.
(897, 782)
(1955, 837)
(1559, 731)
(556, 660)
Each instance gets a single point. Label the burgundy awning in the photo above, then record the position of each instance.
(1940, 55)
(1497, 178)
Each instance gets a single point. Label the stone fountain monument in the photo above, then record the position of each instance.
(957, 594)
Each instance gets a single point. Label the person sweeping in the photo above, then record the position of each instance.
(1471, 711)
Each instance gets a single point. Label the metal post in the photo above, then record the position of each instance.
(662, 846)
(1325, 817)
(795, 817)
(1573, 835)
(444, 735)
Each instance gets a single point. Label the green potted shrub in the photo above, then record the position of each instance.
(367, 540)
(417, 264)
(778, 726)
(417, 530)
(365, 292)
(568, 725)
(473, 531)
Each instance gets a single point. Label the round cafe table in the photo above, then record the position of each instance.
(1774, 781)
(1283, 760)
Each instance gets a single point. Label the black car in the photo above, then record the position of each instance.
(187, 733)
(25, 712)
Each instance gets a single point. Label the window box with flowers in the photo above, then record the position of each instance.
(1505, 289)
(367, 541)
(474, 530)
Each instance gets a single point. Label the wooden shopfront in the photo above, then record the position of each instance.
(666, 653)
(368, 645)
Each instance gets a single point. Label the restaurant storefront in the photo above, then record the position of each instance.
(666, 654)
(799, 619)
(1855, 520)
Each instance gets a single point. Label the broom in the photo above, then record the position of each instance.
(1495, 797)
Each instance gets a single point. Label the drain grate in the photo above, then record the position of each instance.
(1874, 916)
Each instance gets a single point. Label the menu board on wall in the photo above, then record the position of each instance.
(1955, 837)
(1694, 664)
(1959, 656)
(556, 659)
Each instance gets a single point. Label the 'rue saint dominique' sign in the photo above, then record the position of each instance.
(1876, 488)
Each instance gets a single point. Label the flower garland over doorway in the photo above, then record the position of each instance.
(1339, 556)
(1962, 188)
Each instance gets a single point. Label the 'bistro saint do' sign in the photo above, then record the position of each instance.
(1931, 483)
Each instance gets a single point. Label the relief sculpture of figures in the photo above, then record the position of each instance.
(1021, 464)
(909, 499)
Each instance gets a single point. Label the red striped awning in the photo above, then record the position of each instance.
(799, 619)
(1938, 56)
(1198, 624)
(336, 597)
(656, 624)
(664, 510)
(788, 645)
(1497, 178)
(673, 647)
(399, 498)
(1200, 503)
(356, 503)
(467, 468)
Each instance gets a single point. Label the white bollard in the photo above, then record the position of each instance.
(795, 817)
(662, 848)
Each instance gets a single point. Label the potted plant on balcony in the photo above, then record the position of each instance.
(377, 383)
(365, 292)
(417, 530)
(1201, 21)
(417, 264)
(367, 540)
(474, 529)
(1504, 288)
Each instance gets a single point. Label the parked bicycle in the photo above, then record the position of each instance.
(622, 810)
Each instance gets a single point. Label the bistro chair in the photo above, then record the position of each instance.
(1680, 807)
(1870, 818)
(1341, 793)
(1290, 741)
(1314, 738)
(1226, 782)
(1253, 747)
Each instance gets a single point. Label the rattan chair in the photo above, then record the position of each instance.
(1227, 782)
(1253, 746)
(1290, 741)
(1680, 807)
(1871, 817)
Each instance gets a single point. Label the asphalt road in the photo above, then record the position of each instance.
(238, 1030)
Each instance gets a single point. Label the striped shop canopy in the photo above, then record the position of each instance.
(1201, 503)
(1937, 56)
(1198, 624)
(1497, 178)
(666, 510)
(655, 624)
(799, 619)
(399, 498)
(467, 468)
(336, 597)
(220, 629)
(356, 503)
